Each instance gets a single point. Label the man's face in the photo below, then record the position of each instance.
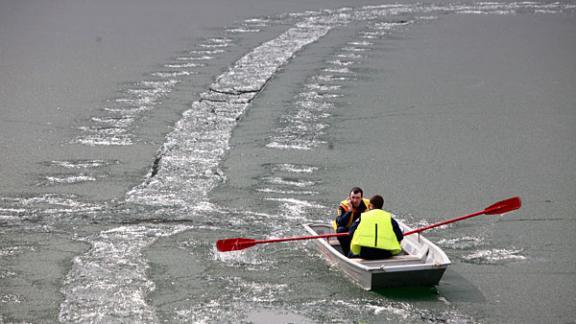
(355, 199)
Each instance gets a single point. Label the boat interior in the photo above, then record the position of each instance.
(410, 253)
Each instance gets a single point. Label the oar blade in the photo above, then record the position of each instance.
(504, 206)
(234, 244)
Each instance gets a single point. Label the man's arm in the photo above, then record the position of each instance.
(344, 218)
(353, 228)
(397, 230)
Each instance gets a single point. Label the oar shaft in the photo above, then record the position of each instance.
(448, 221)
(299, 238)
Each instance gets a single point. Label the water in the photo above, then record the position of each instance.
(401, 99)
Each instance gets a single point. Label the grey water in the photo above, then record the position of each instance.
(262, 124)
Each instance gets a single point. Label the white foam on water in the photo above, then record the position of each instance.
(184, 65)
(389, 25)
(361, 43)
(427, 17)
(303, 127)
(13, 210)
(349, 56)
(159, 86)
(425, 222)
(386, 311)
(494, 256)
(7, 274)
(323, 87)
(331, 78)
(104, 139)
(216, 40)
(287, 182)
(128, 111)
(106, 130)
(195, 58)
(297, 202)
(246, 295)
(263, 292)
(402, 312)
(214, 45)
(207, 52)
(242, 258)
(130, 301)
(461, 243)
(70, 179)
(295, 210)
(57, 204)
(497, 8)
(217, 43)
(248, 259)
(244, 29)
(187, 166)
(82, 164)
(338, 70)
(10, 251)
(10, 299)
(354, 49)
(301, 147)
(287, 192)
(115, 122)
(259, 214)
(109, 283)
(295, 168)
(172, 74)
(257, 20)
(114, 129)
(341, 62)
(42, 210)
(382, 310)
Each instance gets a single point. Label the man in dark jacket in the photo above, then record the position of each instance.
(349, 211)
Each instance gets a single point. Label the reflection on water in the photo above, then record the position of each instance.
(410, 293)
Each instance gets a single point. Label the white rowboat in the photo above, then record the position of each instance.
(421, 263)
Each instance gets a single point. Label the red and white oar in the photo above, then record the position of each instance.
(239, 243)
(498, 208)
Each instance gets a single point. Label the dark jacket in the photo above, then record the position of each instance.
(343, 220)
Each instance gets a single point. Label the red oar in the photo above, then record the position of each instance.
(498, 208)
(239, 243)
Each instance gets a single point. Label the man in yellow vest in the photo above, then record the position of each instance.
(349, 211)
(376, 235)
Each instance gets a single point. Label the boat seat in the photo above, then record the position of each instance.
(402, 258)
(423, 253)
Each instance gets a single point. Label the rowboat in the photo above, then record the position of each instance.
(421, 262)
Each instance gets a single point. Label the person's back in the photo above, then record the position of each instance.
(376, 235)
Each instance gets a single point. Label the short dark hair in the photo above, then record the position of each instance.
(356, 190)
(377, 201)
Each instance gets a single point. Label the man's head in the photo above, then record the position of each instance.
(355, 196)
(376, 202)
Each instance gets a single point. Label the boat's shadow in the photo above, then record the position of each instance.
(452, 288)
(409, 293)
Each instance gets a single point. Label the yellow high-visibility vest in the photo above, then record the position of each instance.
(375, 231)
